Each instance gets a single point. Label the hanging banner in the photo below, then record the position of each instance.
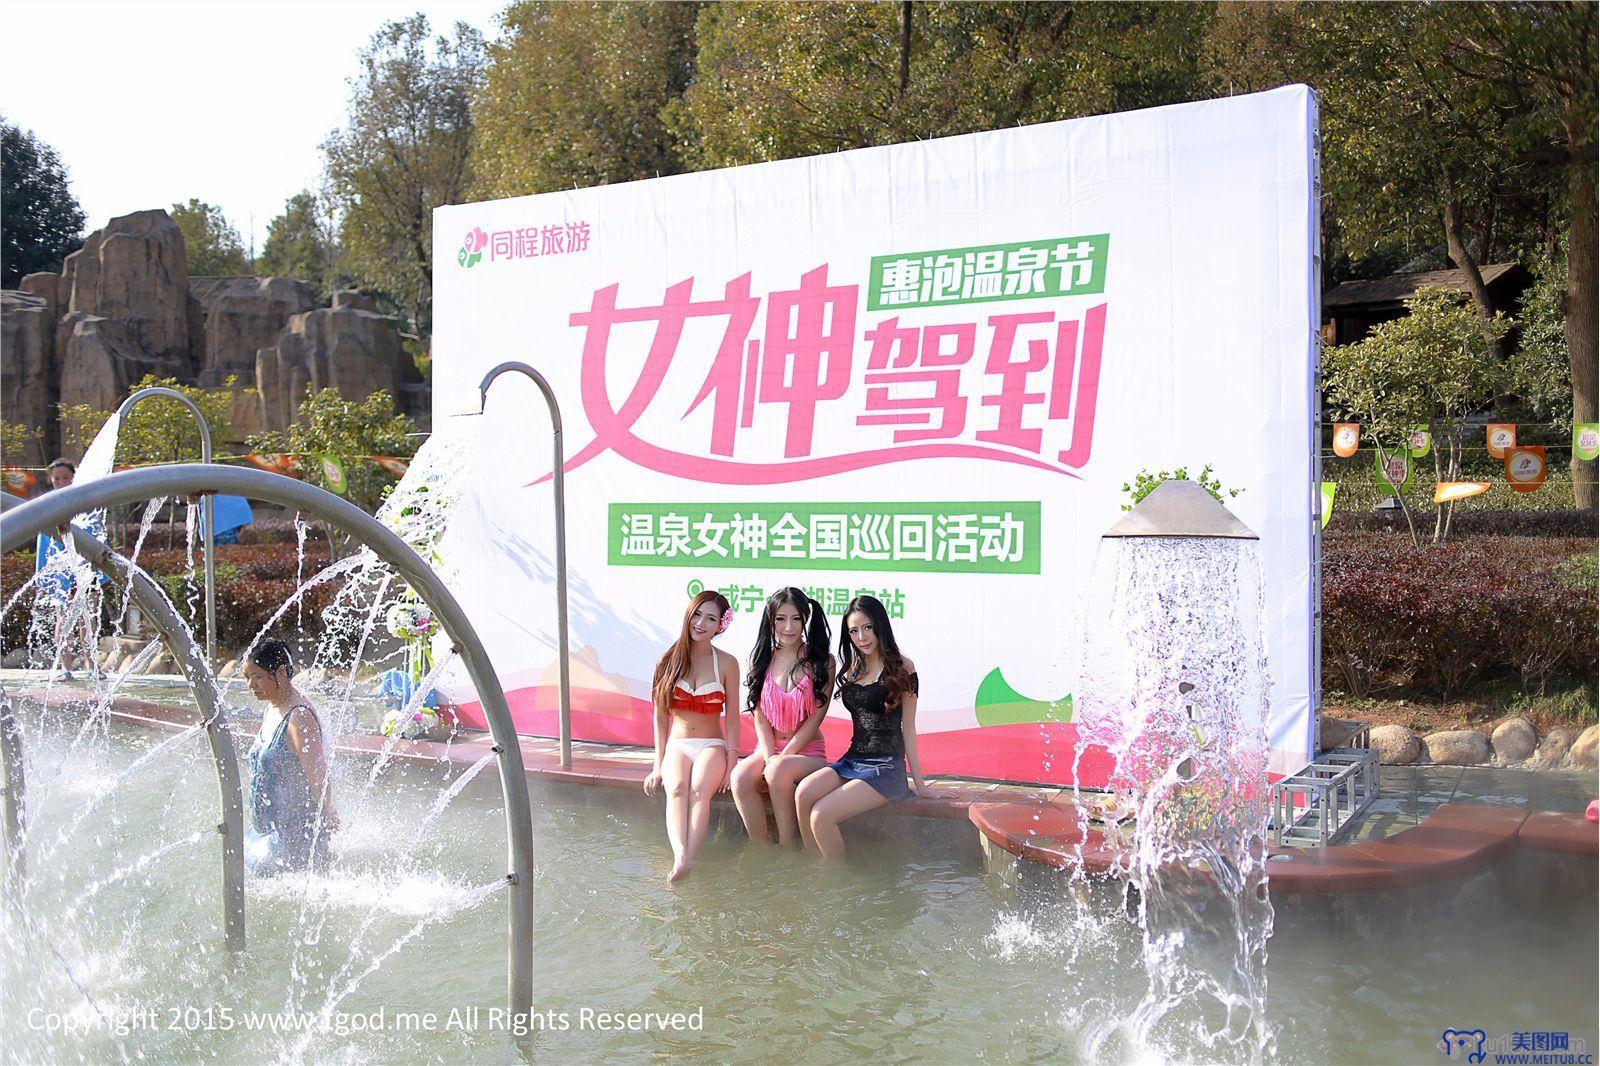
(1392, 470)
(1500, 437)
(1525, 467)
(1346, 438)
(19, 482)
(1420, 442)
(1451, 491)
(397, 467)
(1586, 441)
(333, 473)
(1329, 488)
(275, 463)
(922, 371)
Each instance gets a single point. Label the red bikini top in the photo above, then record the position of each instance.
(693, 701)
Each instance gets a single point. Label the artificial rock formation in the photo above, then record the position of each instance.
(244, 316)
(355, 352)
(135, 271)
(27, 354)
(99, 359)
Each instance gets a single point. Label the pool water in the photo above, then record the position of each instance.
(893, 956)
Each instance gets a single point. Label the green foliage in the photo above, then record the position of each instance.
(775, 81)
(1539, 365)
(328, 423)
(1144, 483)
(40, 220)
(301, 244)
(210, 241)
(158, 430)
(21, 445)
(574, 95)
(403, 152)
(1581, 571)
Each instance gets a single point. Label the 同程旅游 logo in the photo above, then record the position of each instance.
(472, 248)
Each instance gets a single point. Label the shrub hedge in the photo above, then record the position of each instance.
(1469, 523)
(1437, 621)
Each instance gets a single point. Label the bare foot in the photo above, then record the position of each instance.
(679, 872)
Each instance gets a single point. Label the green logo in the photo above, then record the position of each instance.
(1026, 270)
(472, 248)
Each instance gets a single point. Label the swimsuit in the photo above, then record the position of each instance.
(877, 744)
(284, 815)
(686, 700)
(787, 711)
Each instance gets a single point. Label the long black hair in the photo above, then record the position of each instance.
(273, 655)
(814, 656)
(896, 679)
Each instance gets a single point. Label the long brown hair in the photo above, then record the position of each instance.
(672, 665)
(895, 677)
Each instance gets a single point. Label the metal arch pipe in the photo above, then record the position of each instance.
(196, 670)
(207, 508)
(558, 479)
(55, 509)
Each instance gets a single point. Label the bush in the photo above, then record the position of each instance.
(1435, 620)
(1469, 523)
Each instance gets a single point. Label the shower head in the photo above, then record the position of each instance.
(1180, 509)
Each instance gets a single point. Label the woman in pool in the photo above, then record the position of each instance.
(787, 692)
(695, 738)
(878, 686)
(291, 799)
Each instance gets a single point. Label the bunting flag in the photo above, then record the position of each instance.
(1328, 490)
(275, 462)
(1451, 491)
(19, 481)
(333, 473)
(1500, 437)
(397, 467)
(1393, 474)
(1346, 438)
(1586, 441)
(1421, 442)
(1525, 467)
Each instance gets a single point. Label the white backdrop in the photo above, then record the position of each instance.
(924, 371)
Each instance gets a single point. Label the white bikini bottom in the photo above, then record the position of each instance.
(693, 746)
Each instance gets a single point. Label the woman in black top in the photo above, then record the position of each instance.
(878, 686)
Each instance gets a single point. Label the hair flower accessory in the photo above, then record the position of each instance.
(727, 620)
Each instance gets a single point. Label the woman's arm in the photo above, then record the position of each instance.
(765, 739)
(653, 778)
(305, 740)
(730, 713)
(809, 730)
(908, 729)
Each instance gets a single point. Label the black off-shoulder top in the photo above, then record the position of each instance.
(876, 730)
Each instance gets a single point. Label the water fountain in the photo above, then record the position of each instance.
(57, 509)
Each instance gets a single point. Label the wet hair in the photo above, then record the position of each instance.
(271, 655)
(672, 665)
(61, 462)
(896, 679)
(814, 656)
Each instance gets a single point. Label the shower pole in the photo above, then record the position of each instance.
(207, 510)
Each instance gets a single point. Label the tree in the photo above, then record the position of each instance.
(301, 244)
(41, 220)
(158, 430)
(774, 81)
(330, 424)
(403, 152)
(1433, 368)
(575, 93)
(20, 445)
(212, 244)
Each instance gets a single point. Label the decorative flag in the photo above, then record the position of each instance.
(333, 473)
(397, 467)
(1525, 467)
(276, 463)
(1500, 437)
(1346, 438)
(1450, 491)
(1586, 440)
(18, 481)
(1328, 489)
(1392, 473)
(1421, 442)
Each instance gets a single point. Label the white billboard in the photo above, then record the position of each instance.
(925, 371)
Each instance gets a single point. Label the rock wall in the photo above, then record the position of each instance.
(124, 306)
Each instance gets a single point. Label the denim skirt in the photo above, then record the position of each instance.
(886, 774)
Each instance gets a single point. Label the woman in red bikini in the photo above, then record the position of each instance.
(787, 692)
(695, 739)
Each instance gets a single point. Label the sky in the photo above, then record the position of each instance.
(153, 102)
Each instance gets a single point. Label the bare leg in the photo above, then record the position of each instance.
(747, 797)
(806, 796)
(783, 777)
(675, 771)
(709, 771)
(847, 801)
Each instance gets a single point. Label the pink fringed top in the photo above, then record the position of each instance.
(787, 711)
